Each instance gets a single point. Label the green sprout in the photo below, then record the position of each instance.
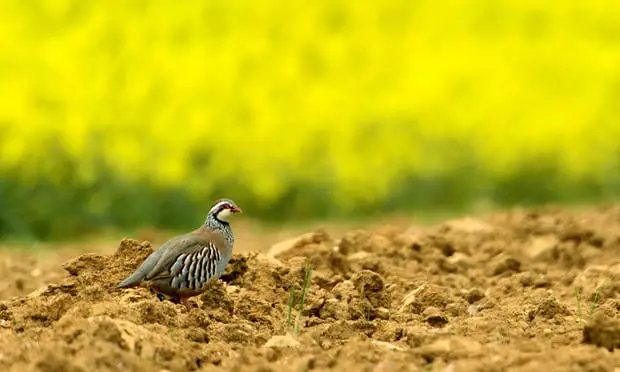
(595, 299)
(302, 299)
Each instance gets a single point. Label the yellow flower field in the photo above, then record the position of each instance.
(345, 100)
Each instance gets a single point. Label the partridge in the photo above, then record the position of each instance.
(184, 265)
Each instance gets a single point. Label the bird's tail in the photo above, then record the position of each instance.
(132, 281)
(140, 274)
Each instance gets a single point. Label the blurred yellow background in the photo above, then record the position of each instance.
(128, 113)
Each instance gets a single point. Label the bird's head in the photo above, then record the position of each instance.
(223, 209)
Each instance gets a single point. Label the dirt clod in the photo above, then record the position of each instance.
(602, 331)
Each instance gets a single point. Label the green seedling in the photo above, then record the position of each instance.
(597, 294)
(578, 297)
(302, 299)
(595, 299)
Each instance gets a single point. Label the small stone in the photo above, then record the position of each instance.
(333, 308)
(436, 321)
(344, 290)
(379, 242)
(469, 225)
(459, 259)
(541, 248)
(411, 296)
(383, 313)
(433, 317)
(530, 279)
(286, 341)
(411, 240)
(387, 331)
(541, 282)
(429, 311)
(474, 295)
(387, 345)
(507, 265)
(425, 296)
(456, 308)
(36, 272)
(358, 256)
(231, 289)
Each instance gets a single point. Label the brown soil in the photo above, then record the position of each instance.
(492, 294)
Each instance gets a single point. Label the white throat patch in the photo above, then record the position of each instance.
(224, 214)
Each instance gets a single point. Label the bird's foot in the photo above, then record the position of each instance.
(185, 302)
(175, 300)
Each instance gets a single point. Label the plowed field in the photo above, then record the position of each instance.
(495, 293)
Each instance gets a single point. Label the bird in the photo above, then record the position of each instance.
(184, 265)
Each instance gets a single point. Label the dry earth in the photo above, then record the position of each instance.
(489, 294)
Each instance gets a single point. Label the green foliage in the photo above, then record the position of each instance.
(128, 114)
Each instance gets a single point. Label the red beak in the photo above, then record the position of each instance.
(236, 210)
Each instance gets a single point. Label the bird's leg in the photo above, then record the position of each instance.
(185, 302)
